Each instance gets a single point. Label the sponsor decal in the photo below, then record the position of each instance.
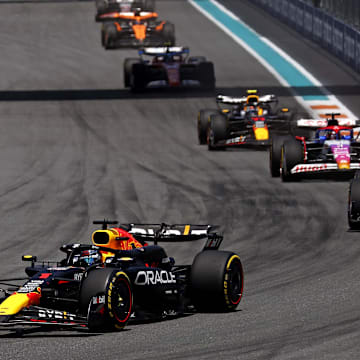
(186, 231)
(98, 299)
(237, 140)
(55, 314)
(30, 286)
(78, 276)
(155, 277)
(309, 168)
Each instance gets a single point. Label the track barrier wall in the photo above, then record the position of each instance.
(332, 34)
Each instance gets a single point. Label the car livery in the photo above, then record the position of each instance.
(169, 66)
(333, 149)
(250, 120)
(135, 29)
(101, 286)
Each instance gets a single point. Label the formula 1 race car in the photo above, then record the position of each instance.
(105, 6)
(170, 66)
(101, 286)
(333, 150)
(250, 121)
(135, 29)
(354, 202)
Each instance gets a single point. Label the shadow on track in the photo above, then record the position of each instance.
(124, 94)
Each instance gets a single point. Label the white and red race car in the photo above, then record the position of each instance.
(334, 149)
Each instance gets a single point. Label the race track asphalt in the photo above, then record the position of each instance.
(76, 146)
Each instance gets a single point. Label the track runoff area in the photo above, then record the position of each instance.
(283, 67)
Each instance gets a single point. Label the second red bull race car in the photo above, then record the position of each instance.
(333, 150)
(250, 120)
(119, 276)
(170, 67)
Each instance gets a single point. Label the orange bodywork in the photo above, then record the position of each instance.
(140, 31)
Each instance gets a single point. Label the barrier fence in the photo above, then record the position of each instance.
(317, 24)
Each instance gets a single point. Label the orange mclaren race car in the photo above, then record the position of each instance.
(249, 121)
(135, 29)
(100, 286)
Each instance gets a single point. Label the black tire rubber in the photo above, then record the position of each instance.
(115, 288)
(128, 68)
(217, 281)
(149, 5)
(138, 80)
(276, 144)
(218, 130)
(109, 34)
(354, 201)
(291, 155)
(203, 123)
(168, 33)
(101, 5)
(207, 75)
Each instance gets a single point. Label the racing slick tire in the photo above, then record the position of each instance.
(106, 297)
(108, 35)
(291, 155)
(217, 281)
(149, 5)
(218, 129)
(276, 144)
(168, 33)
(203, 125)
(354, 202)
(101, 5)
(128, 68)
(138, 77)
(207, 75)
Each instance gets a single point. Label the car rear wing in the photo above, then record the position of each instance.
(175, 233)
(164, 50)
(318, 123)
(223, 99)
(118, 15)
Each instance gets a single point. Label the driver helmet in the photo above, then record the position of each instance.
(86, 258)
(332, 135)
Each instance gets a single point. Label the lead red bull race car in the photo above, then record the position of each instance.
(248, 121)
(334, 149)
(134, 29)
(170, 67)
(119, 277)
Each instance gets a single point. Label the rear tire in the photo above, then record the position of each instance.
(291, 155)
(354, 202)
(168, 32)
(108, 35)
(203, 125)
(217, 131)
(207, 75)
(138, 77)
(106, 298)
(128, 68)
(217, 281)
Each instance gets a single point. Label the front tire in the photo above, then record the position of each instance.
(354, 203)
(217, 281)
(203, 125)
(217, 131)
(106, 297)
(291, 155)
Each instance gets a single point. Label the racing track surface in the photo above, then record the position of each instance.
(75, 146)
